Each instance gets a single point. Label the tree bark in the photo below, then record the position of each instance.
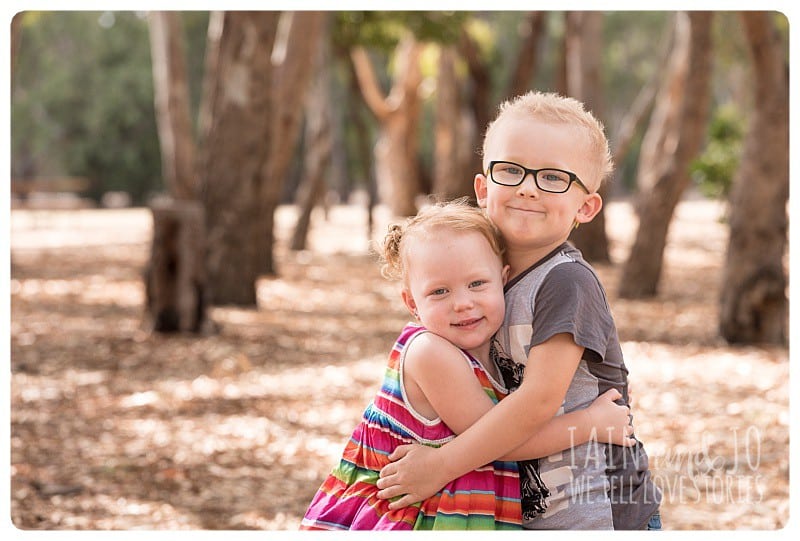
(396, 165)
(584, 45)
(754, 306)
(678, 127)
(530, 29)
(173, 116)
(319, 143)
(175, 279)
(176, 275)
(356, 117)
(478, 96)
(451, 167)
(237, 121)
(292, 60)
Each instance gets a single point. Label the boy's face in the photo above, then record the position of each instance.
(455, 287)
(534, 222)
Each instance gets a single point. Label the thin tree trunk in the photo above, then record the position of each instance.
(754, 306)
(319, 143)
(451, 176)
(687, 95)
(530, 29)
(478, 96)
(640, 108)
(584, 37)
(172, 104)
(398, 116)
(357, 111)
(292, 60)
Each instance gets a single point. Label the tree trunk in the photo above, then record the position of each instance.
(172, 104)
(451, 167)
(479, 85)
(237, 121)
(396, 165)
(356, 113)
(478, 95)
(292, 60)
(685, 98)
(175, 279)
(319, 143)
(583, 43)
(754, 306)
(530, 29)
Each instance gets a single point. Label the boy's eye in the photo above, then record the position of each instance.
(477, 283)
(511, 170)
(440, 291)
(548, 175)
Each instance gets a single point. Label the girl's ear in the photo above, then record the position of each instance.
(591, 206)
(480, 189)
(408, 300)
(506, 271)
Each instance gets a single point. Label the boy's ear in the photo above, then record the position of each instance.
(480, 189)
(506, 271)
(591, 206)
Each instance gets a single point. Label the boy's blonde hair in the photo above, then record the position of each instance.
(554, 108)
(457, 215)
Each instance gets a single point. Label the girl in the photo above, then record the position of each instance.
(441, 379)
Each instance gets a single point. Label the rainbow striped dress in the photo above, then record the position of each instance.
(484, 499)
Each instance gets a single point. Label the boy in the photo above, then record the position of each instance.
(544, 158)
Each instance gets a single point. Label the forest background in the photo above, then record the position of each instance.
(353, 120)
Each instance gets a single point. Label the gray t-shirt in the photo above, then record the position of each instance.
(592, 485)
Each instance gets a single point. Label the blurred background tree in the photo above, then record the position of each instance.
(83, 106)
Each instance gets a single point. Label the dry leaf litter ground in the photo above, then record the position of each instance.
(114, 428)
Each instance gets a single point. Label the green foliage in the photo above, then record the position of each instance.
(83, 101)
(713, 171)
(383, 29)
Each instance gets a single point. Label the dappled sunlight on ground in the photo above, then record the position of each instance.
(114, 428)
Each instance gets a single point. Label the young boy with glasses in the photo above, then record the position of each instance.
(545, 158)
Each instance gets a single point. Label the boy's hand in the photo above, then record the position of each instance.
(611, 421)
(414, 473)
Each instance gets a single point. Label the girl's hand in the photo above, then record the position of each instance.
(414, 473)
(611, 421)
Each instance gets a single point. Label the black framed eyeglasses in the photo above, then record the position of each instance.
(548, 180)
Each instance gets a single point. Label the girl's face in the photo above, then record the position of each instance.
(454, 285)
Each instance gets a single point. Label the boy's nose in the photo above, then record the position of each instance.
(528, 187)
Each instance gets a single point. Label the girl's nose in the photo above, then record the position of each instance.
(462, 302)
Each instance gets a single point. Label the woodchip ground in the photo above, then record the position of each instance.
(114, 428)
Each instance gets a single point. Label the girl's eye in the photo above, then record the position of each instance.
(440, 291)
(477, 283)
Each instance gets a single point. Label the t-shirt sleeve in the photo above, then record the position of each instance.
(571, 300)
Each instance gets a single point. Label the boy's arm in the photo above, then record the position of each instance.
(423, 471)
(603, 421)
(450, 388)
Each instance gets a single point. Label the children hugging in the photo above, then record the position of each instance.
(504, 404)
